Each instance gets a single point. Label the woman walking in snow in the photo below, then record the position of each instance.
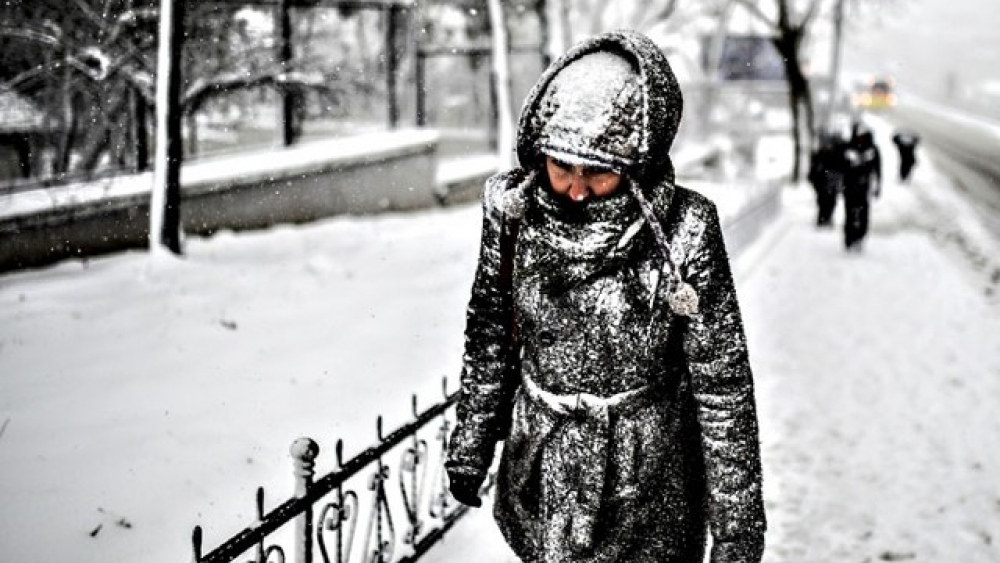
(604, 343)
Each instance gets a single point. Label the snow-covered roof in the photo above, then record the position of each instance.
(223, 172)
(18, 114)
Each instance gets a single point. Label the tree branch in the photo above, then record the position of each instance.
(203, 90)
(756, 12)
(811, 12)
(29, 32)
(655, 15)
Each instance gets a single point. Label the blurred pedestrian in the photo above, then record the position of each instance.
(604, 343)
(906, 143)
(862, 182)
(826, 175)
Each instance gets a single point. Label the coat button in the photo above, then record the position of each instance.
(546, 338)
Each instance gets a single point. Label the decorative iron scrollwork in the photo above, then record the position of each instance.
(440, 496)
(384, 544)
(340, 517)
(264, 552)
(412, 482)
(423, 486)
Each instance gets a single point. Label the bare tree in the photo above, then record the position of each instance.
(789, 32)
(500, 75)
(91, 66)
(165, 203)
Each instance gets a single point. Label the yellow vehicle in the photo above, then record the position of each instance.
(879, 93)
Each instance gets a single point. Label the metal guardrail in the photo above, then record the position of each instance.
(422, 497)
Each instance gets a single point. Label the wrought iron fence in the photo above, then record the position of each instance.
(422, 498)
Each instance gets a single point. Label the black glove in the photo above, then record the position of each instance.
(465, 489)
(745, 548)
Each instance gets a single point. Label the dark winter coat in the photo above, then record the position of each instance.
(906, 143)
(631, 427)
(826, 174)
(862, 169)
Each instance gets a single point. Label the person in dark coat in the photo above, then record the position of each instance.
(826, 176)
(906, 143)
(629, 420)
(862, 182)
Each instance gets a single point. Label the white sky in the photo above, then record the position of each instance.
(923, 41)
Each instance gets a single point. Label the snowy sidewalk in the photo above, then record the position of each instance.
(878, 375)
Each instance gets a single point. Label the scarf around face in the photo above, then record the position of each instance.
(563, 243)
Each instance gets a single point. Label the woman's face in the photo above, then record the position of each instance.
(580, 183)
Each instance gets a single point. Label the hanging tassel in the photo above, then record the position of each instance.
(683, 299)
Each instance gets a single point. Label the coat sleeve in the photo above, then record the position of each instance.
(722, 384)
(485, 401)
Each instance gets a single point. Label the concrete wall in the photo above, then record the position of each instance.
(359, 175)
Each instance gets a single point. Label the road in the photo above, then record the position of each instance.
(966, 149)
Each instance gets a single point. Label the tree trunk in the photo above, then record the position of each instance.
(501, 79)
(100, 143)
(712, 74)
(165, 203)
(567, 25)
(23, 145)
(544, 32)
(140, 132)
(798, 92)
(102, 136)
(393, 15)
(191, 146)
(68, 138)
(838, 36)
(793, 101)
(286, 105)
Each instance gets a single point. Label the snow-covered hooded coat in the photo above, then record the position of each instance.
(630, 426)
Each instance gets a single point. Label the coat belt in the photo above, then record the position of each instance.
(586, 405)
(582, 432)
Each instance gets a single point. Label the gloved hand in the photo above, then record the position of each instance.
(465, 489)
(745, 548)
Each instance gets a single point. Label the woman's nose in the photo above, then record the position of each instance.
(578, 190)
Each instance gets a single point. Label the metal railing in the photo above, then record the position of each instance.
(422, 498)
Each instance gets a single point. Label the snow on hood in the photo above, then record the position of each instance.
(658, 102)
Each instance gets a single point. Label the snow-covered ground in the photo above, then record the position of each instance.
(159, 393)
(877, 382)
(141, 395)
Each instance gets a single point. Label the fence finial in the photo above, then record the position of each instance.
(304, 452)
(196, 544)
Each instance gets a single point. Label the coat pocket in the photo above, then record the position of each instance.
(645, 453)
(520, 463)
